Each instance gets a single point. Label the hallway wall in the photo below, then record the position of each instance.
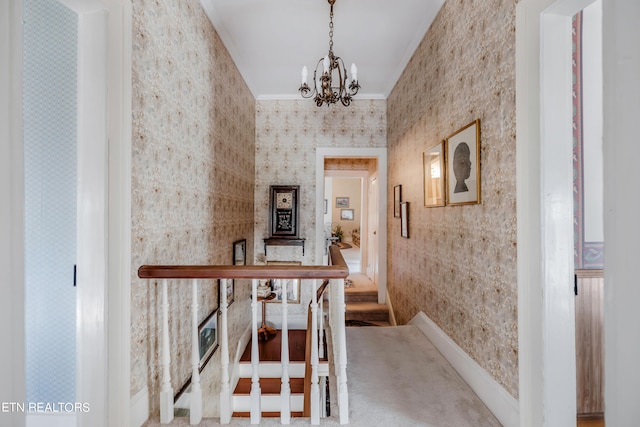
(459, 265)
(287, 135)
(192, 181)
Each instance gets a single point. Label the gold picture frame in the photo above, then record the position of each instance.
(434, 164)
(463, 165)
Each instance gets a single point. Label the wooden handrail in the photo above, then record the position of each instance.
(337, 270)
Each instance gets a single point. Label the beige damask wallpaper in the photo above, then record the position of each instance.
(459, 265)
(287, 135)
(193, 180)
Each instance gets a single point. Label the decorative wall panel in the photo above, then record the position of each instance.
(459, 266)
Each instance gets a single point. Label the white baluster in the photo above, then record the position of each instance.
(321, 328)
(315, 390)
(166, 393)
(285, 389)
(225, 391)
(255, 357)
(195, 407)
(343, 395)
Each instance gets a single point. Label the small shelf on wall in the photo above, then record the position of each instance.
(280, 241)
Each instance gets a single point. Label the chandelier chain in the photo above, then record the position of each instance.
(331, 30)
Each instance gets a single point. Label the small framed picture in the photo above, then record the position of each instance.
(291, 286)
(397, 198)
(463, 165)
(342, 202)
(404, 219)
(433, 169)
(346, 214)
(240, 252)
(208, 338)
(239, 258)
(231, 290)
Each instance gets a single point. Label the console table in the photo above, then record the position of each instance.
(283, 242)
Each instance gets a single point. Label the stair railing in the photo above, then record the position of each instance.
(314, 350)
(335, 273)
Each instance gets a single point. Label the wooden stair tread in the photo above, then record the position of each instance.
(361, 296)
(367, 307)
(269, 386)
(266, 414)
(270, 350)
(367, 311)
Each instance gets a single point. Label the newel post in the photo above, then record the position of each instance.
(195, 408)
(285, 388)
(225, 390)
(255, 395)
(315, 389)
(166, 393)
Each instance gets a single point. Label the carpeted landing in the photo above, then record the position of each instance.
(396, 377)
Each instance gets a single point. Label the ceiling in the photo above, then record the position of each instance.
(270, 40)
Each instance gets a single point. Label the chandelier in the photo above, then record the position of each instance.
(332, 67)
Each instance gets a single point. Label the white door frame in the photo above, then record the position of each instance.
(371, 233)
(12, 358)
(108, 392)
(546, 315)
(381, 155)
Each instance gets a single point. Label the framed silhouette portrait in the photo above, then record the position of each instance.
(463, 165)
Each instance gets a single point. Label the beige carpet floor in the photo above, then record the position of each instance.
(396, 377)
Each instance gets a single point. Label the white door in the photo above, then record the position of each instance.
(372, 232)
(50, 117)
(65, 140)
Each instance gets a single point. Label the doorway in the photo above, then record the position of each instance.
(65, 141)
(588, 213)
(379, 212)
(347, 214)
(104, 197)
(546, 313)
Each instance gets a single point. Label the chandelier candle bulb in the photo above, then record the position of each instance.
(304, 75)
(326, 64)
(354, 72)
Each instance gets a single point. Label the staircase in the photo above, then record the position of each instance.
(362, 303)
(270, 370)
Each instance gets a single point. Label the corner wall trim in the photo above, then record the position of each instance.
(501, 403)
(140, 407)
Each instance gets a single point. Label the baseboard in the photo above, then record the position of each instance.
(392, 315)
(140, 408)
(50, 420)
(501, 403)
